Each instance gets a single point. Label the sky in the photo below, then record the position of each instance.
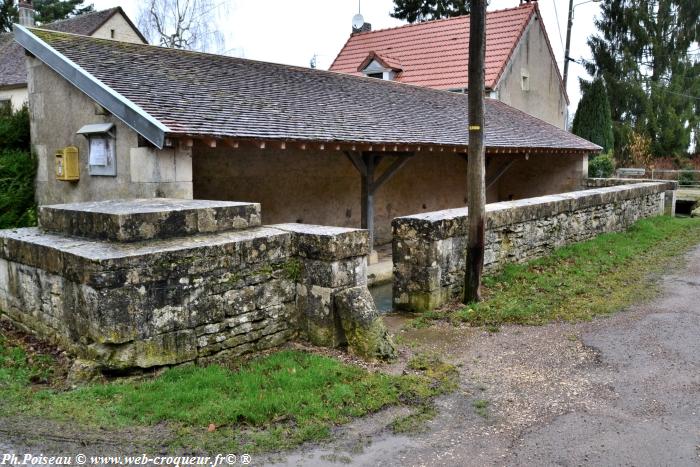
(294, 31)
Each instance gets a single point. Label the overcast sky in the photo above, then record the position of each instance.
(293, 31)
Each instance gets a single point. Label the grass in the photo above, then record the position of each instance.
(481, 407)
(580, 281)
(273, 402)
(432, 366)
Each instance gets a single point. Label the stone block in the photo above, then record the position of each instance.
(145, 219)
(327, 243)
(317, 320)
(334, 274)
(364, 329)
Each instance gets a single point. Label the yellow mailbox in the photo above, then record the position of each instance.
(68, 164)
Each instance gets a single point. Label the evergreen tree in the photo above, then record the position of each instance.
(8, 14)
(47, 11)
(646, 51)
(424, 10)
(592, 120)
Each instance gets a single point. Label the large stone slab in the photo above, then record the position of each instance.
(327, 243)
(146, 219)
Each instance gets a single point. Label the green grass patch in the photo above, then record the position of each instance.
(577, 282)
(273, 402)
(481, 407)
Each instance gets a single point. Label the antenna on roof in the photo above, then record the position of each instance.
(358, 21)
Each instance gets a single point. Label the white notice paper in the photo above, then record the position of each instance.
(98, 151)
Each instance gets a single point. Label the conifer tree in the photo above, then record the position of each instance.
(424, 10)
(47, 11)
(646, 52)
(592, 120)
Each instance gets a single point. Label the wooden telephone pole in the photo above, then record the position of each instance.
(476, 165)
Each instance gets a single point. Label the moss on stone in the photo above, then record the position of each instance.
(292, 269)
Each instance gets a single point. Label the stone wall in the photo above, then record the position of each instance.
(429, 249)
(147, 283)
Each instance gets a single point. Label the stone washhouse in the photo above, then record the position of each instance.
(131, 268)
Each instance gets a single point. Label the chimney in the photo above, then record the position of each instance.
(26, 13)
(366, 27)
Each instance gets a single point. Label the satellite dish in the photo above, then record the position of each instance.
(357, 21)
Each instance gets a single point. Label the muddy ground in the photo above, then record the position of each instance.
(619, 390)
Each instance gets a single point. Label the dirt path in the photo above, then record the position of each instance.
(620, 390)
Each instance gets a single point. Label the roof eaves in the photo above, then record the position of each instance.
(124, 109)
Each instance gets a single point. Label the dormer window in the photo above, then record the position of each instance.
(381, 67)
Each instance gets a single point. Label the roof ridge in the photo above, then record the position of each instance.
(83, 15)
(439, 20)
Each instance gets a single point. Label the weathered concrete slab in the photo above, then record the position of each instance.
(145, 219)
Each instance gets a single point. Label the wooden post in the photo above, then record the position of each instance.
(476, 164)
(367, 187)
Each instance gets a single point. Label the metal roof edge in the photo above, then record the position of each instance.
(125, 110)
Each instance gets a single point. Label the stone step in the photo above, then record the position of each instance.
(146, 219)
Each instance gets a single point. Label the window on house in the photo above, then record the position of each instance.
(524, 80)
(112, 33)
(376, 75)
(5, 106)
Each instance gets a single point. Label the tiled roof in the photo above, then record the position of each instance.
(435, 53)
(85, 24)
(208, 95)
(12, 69)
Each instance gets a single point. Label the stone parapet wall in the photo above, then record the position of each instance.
(228, 289)
(429, 249)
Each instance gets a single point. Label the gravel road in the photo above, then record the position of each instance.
(620, 390)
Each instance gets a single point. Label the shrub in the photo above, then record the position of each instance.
(14, 129)
(17, 207)
(601, 166)
(686, 177)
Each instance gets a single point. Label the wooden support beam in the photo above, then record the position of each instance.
(357, 161)
(494, 178)
(390, 172)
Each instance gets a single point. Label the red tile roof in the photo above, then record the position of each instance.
(435, 53)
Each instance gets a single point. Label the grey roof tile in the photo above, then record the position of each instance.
(211, 95)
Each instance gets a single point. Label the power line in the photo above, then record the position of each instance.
(556, 13)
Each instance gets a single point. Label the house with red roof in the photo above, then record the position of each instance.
(521, 69)
(107, 24)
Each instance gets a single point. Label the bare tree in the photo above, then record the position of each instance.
(183, 24)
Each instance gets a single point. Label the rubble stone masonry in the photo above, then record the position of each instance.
(429, 249)
(153, 282)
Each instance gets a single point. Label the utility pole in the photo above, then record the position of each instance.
(477, 160)
(569, 24)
